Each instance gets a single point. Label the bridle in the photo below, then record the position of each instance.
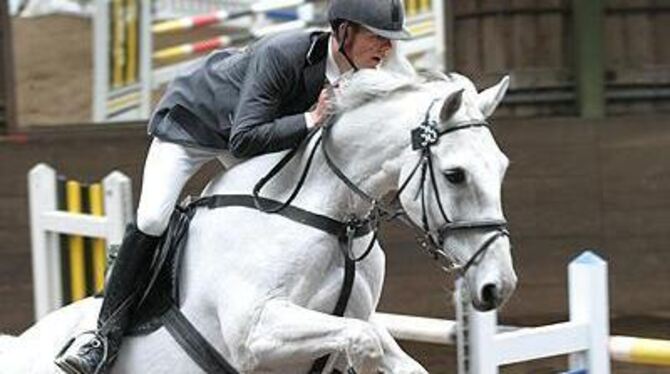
(431, 239)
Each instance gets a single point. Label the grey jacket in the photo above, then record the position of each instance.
(249, 101)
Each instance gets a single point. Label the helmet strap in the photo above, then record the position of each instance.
(342, 44)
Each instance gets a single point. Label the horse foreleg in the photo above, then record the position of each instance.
(286, 334)
(395, 360)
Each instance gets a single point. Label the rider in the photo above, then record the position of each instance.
(247, 102)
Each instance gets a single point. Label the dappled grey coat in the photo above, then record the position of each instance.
(249, 101)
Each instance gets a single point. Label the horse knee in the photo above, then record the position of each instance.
(365, 348)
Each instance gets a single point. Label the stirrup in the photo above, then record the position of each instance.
(97, 338)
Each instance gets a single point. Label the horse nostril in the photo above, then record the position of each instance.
(490, 294)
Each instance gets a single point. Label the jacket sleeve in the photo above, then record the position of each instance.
(256, 127)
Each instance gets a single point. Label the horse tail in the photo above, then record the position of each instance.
(6, 342)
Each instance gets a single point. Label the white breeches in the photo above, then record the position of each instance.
(166, 170)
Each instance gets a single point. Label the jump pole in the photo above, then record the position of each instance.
(188, 23)
(224, 41)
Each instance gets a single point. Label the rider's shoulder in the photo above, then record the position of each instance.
(291, 44)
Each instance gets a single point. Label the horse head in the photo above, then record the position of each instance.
(448, 177)
(455, 195)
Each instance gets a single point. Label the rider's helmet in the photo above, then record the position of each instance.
(385, 18)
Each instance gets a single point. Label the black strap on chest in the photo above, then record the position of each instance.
(342, 301)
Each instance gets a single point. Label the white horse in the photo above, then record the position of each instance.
(260, 287)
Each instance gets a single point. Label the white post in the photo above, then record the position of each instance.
(145, 56)
(118, 206)
(462, 330)
(482, 329)
(42, 195)
(440, 34)
(101, 48)
(587, 276)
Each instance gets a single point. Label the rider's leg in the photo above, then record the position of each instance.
(286, 334)
(167, 168)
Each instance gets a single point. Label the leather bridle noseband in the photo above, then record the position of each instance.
(432, 240)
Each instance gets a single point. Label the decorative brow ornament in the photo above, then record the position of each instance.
(424, 136)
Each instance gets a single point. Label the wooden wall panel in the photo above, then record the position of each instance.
(522, 41)
(468, 53)
(7, 80)
(495, 40)
(533, 40)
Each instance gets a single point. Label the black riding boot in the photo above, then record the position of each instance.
(124, 287)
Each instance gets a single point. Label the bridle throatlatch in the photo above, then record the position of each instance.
(430, 239)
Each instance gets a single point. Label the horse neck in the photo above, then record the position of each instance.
(366, 143)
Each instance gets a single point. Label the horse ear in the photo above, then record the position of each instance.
(451, 105)
(491, 97)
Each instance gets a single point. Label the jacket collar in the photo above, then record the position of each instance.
(318, 50)
(314, 74)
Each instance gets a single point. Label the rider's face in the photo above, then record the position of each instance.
(366, 48)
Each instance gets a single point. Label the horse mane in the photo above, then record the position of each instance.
(369, 85)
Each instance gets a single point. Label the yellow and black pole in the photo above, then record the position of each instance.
(83, 259)
(99, 254)
(77, 261)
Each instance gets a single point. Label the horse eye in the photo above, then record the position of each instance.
(455, 176)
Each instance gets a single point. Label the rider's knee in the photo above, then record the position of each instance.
(152, 224)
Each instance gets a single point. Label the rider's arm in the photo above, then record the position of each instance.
(256, 128)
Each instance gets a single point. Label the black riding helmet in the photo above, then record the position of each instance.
(385, 18)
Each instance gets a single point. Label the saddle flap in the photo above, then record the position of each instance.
(162, 290)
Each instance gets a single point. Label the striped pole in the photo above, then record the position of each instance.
(188, 23)
(639, 350)
(204, 46)
(202, 20)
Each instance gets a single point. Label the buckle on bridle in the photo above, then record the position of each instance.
(352, 225)
(424, 136)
